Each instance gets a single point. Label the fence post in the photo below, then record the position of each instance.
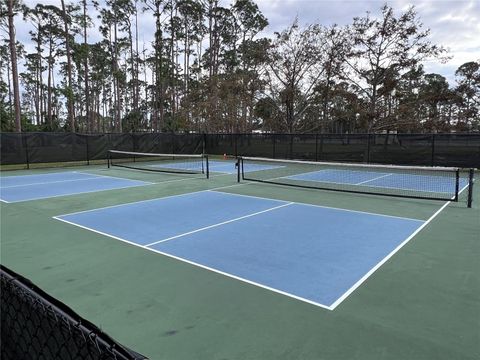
(368, 148)
(204, 145)
(274, 140)
(25, 143)
(433, 150)
(290, 147)
(88, 150)
(316, 147)
(320, 148)
(235, 137)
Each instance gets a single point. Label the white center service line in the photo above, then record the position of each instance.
(219, 224)
(378, 177)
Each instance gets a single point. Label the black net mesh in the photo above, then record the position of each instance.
(398, 181)
(169, 163)
(36, 326)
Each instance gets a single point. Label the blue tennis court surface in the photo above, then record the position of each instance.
(425, 183)
(312, 253)
(226, 167)
(41, 186)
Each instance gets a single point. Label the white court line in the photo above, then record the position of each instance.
(164, 197)
(378, 177)
(200, 265)
(113, 177)
(367, 275)
(385, 259)
(321, 206)
(331, 307)
(131, 203)
(219, 224)
(51, 182)
(78, 193)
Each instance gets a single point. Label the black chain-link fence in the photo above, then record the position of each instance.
(36, 326)
(460, 150)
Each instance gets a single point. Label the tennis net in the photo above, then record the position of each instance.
(170, 163)
(435, 183)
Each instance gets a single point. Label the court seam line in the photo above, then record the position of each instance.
(218, 224)
(378, 177)
(79, 193)
(322, 206)
(198, 265)
(386, 258)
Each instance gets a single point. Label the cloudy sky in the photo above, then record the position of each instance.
(455, 24)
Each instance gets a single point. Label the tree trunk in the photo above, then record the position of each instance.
(13, 58)
(85, 68)
(49, 83)
(70, 105)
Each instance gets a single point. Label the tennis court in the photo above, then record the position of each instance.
(33, 187)
(182, 266)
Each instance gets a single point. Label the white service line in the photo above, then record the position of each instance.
(219, 224)
(77, 193)
(385, 259)
(52, 182)
(321, 206)
(378, 177)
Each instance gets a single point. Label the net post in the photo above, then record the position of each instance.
(207, 166)
(237, 165)
(25, 141)
(108, 159)
(470, 188)
(457, 184)
(243, 173)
